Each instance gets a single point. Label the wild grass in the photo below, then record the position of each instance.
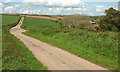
(15, 55)
(98, 47)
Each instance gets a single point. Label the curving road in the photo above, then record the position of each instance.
(52, 57)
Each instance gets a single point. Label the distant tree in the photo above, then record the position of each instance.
(111, 21)
(78, 21)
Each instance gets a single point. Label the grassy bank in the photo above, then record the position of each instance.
(98, 47)
(15, 56)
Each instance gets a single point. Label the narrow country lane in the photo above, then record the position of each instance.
(52, 57)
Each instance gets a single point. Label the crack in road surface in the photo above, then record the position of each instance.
(52, 57)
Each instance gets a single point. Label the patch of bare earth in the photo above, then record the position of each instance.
(44, 17)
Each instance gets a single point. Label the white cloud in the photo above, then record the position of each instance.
(80, 9)
(29, 11)
(77, 8)
(16, 5)
(25, 11)
(7, 1)
(39, 10)
(68, 9)
(100, 8)
(85, 9)
(53, 7)
(9, 9)
(50, 9)
(83, 0)
(59, 9)
(0, 4)
(1, 10)
(57, 3)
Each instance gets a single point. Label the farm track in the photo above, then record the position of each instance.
(52, 57)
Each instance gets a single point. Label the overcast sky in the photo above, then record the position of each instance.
(57, 7)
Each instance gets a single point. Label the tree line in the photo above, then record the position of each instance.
(108, 22)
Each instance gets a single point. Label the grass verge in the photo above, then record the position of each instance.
(98, 47)
(15, 55)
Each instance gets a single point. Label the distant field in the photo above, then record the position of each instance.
(100, 48)
(7, 19)
(43, 16)
(15, 56)
(39, 22)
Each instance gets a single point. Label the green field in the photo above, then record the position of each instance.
(15, 56)
(7, 19)
(98, 47)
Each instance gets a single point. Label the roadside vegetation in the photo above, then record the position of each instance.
(15, 56)
(96, 46)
